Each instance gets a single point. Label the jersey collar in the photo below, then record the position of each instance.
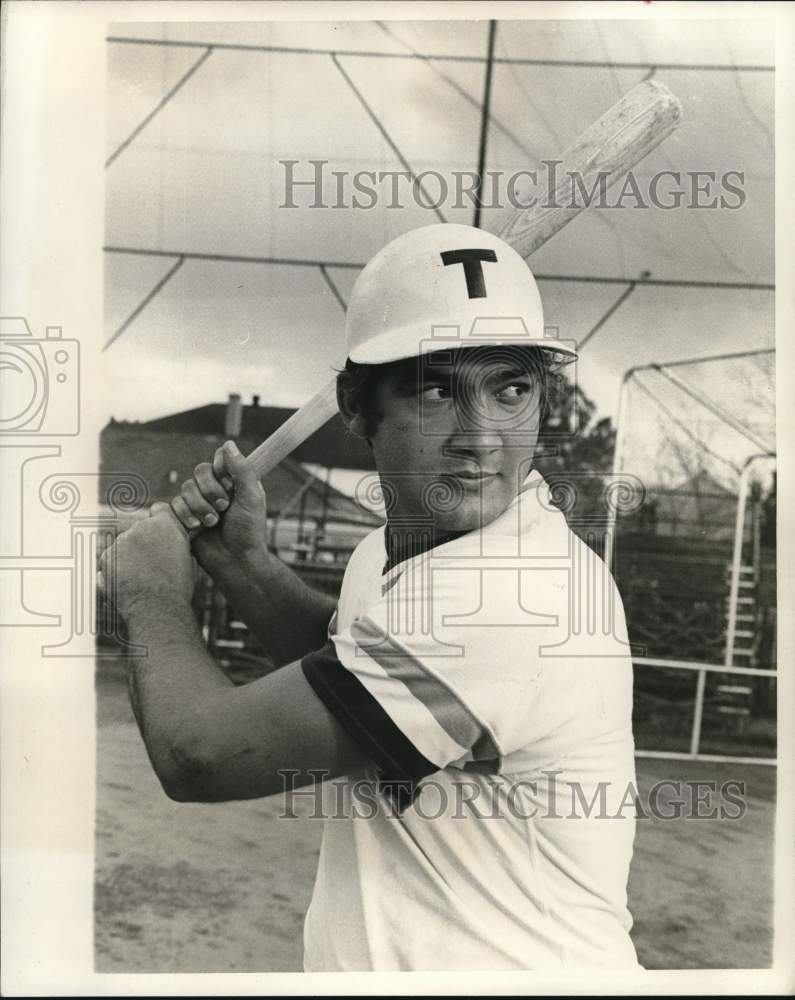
(399, 549)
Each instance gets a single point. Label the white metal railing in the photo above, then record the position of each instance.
(702, 670)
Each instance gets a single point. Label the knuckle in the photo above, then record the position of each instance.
(211, 483)
(183, 511)
(193, 497)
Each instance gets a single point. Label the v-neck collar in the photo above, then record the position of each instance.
(417, 543)
(425, 537)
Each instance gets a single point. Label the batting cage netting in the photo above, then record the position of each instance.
(694, 552)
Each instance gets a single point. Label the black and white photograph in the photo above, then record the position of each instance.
(392, 515)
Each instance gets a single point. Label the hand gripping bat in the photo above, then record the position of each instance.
(622, 137)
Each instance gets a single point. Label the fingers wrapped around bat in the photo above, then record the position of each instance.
(192, 506)
(210, 485)
(185, 514)
(220, 470)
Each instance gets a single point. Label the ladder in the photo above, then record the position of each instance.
(734, 697)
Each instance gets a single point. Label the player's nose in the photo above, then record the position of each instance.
(477, 427)
(473, 445)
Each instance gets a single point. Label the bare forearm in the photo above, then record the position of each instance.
(169, 684)
(288, 617)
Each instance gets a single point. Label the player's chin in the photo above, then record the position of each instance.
(472, 509)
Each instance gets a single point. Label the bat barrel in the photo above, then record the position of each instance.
(623, 136)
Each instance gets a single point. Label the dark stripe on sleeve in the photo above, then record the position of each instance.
(401, 766)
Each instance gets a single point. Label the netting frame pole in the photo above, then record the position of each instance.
(698, 712)
(618, 465)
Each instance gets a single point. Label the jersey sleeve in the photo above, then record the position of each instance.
(440, 671)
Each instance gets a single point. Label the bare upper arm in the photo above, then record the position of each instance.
(238, 742)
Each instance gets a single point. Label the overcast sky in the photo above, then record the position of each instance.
(203, 176)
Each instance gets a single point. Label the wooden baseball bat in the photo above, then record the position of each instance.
(626, 133)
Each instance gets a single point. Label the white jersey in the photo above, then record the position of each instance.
(489, 681)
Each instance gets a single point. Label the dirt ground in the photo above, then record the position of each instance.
(224, 888)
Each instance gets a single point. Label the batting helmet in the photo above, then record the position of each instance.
(442, 287)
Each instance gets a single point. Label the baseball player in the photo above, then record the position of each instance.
(468, 718)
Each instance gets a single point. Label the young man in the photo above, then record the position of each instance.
(474, 739)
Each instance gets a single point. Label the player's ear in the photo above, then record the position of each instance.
(354, 421)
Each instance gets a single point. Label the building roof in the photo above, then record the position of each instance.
(165, 460)
(330, 446)
(703, 484)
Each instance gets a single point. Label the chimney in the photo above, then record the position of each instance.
(234, 416)
(255, 400)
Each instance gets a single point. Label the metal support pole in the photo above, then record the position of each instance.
(733, 355)
(320, 526)
(294, 499)
(698, 712)
(601, 322)
(618, 465)
(484, 121)
(301, 518)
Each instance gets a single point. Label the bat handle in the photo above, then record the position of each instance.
(297, 428)
(304, 422)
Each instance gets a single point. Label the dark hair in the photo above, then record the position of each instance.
(357, 383)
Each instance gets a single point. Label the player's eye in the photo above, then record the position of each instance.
(514, 391)
(437, 393)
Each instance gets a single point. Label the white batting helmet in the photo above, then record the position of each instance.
(441, 287)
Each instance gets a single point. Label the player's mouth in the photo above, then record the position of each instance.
(475, 477)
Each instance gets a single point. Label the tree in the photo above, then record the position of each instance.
(768, 532)
(580, 441)
(576, 449)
